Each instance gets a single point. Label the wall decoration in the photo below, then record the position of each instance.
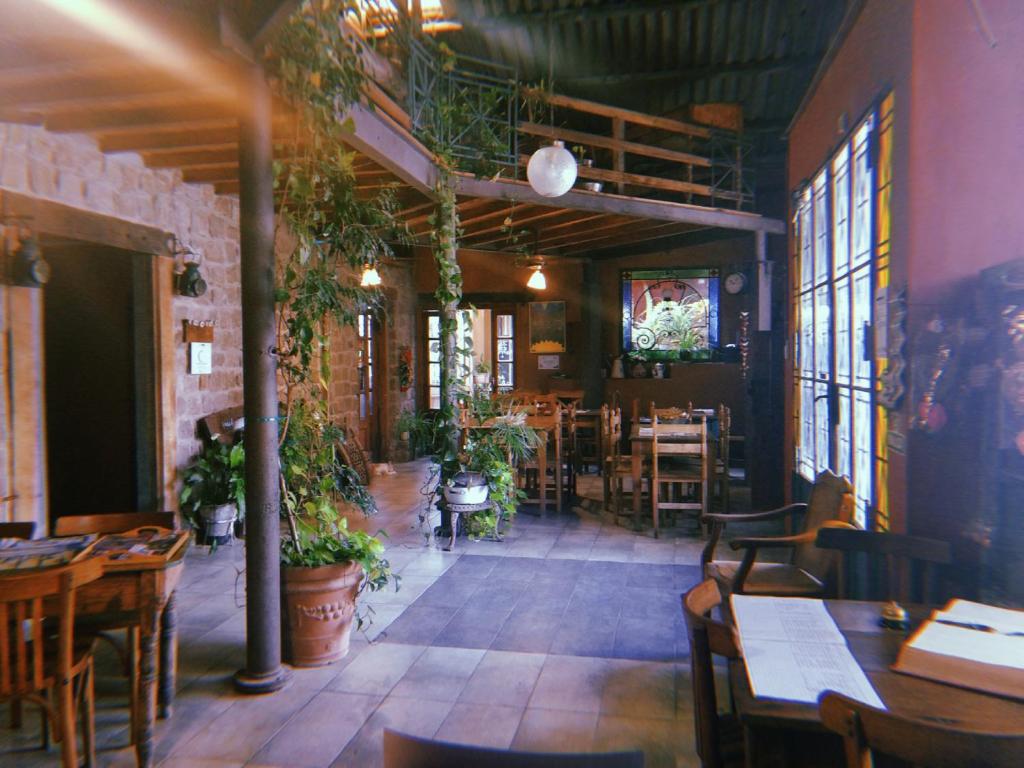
(744, 345)
(404, 368)
(669, 311)
(548, 362)
(892, 378)
(547, 327)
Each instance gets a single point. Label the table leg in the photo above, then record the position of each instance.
(168, 657)
(149, 631)
(542, 473)
(637, 466)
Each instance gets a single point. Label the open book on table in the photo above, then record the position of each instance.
(970, 645)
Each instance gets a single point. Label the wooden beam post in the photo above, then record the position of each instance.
(619, 157)
(263, 672)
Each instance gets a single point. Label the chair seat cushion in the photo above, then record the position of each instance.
(779, 579)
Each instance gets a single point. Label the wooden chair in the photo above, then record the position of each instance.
(719, 737)
(17, 530)
(53, 671)
(530, 470)
(898, 567)
(720, 474)
(404, 751)
(810, 570)
(569, 396)
(679, 461)
(115, 522)
(615, 467)
(867, 731)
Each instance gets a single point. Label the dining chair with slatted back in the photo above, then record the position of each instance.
(402, 750)
(17, 530)
(679, 463)
(719, 737)
(616, 466)
(868, 732)
(116, 522)
(810, 571)
(54, 671)
(898, 567)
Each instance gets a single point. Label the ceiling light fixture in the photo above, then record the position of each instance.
(371, 277)
(537, 280)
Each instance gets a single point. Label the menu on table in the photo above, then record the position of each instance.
(28, 554)
(794, 651)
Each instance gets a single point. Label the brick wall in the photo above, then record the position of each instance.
(70, 169)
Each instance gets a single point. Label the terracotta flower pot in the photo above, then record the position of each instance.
(318, 606)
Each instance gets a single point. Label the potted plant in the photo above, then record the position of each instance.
(324, 564)
(212, 496)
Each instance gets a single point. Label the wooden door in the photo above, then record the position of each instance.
(371, 382)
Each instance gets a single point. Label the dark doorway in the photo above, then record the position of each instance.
(100, 397)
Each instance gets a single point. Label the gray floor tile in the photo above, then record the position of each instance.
(472, 628)
(439, 674)
(418, 625)
(319, 731)
(544, 730)
(377, 669)
(503, 677)
(570, 683)
(418, 717)
(481, 725)
(528, 631)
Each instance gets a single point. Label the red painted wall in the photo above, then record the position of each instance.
(875, 58)
(957, 203)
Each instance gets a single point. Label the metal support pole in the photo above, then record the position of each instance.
(764, 283)
(263, 672)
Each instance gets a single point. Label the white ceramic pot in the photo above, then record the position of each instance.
(466, 488)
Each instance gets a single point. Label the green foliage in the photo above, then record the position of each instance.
(316, 68)
(215, 476)
(317, 485)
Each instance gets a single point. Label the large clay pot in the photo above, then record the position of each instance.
(318, 606)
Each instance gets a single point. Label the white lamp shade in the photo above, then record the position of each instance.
(371, 277)
(537, 281)
(552, 170)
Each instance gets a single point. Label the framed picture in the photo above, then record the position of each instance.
(669, 311)
(547, 327)
(547, 362)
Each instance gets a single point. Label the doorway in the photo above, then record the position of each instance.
(100, 391)
(371, 382)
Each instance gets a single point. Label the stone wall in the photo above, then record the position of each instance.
(70, 169)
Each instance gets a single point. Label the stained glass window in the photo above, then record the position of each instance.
(841, 262)
(668, 311)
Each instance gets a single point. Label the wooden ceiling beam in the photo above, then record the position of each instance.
(606, 142)
(194, 114)
(63, 69)
(677, 77)
(589, 229)
(211, 173)
(570, 15)
(609, 240)
(517, 224)
(214, 133)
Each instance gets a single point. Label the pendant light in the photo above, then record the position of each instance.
(551, 170)
(371, 277)
(537, 280)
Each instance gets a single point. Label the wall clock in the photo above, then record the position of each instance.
(735, 282)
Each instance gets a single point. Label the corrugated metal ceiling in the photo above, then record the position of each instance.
(658, 56)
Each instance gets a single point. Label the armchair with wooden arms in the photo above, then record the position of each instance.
(809, 571)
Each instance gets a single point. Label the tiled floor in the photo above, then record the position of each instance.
(565, 636)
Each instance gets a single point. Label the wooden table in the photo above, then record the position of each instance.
(640, 448)
(785, 733)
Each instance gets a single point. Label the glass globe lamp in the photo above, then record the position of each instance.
(552, 170)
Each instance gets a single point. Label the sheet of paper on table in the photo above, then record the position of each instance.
(794, 651)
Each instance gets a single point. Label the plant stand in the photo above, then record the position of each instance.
(450, 519)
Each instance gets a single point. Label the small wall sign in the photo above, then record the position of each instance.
(547, 362)
(200, 358)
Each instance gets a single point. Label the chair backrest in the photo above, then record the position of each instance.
(404, 751)
(611, 432)
(867, 731)
(724, 425)
(24, 606)
(707, 637)
(569, 396)
(831, 499)
(899, 567)
(674, 439)
(17, 530)
(78, 525)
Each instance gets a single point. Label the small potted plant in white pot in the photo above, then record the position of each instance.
(212, 496)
